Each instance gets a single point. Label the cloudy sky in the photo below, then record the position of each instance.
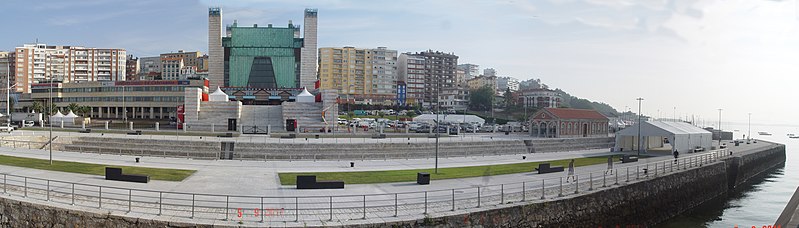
(695, 56)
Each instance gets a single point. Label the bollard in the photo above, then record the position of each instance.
(157, 126)
(106, 125)
(83, 125)
(62, 123)
(184, 127)
(131, 125)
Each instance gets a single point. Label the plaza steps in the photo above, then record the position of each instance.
(144, 147)
(550, 145)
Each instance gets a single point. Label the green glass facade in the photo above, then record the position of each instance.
(262, 57)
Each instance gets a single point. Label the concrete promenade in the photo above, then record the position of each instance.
(259, 178)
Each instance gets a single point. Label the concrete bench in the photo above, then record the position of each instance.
(290, 136)
(628, 158)
(226, 135)
(112, 173)
(134, 133)
(546, 168)
(379, 136)
(87, 130)
(309, 182)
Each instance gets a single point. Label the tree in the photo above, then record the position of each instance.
(508, 98)
(481, 99)
(37, 107)
(73, 107)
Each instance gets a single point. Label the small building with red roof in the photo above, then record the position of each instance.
(568, 123)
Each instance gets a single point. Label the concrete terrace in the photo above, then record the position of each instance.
(259, 179)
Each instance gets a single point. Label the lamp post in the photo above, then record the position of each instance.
(719, 127)
(8, 94)
(749, 132)
(639, 124)
(49, 113)
(438, 109)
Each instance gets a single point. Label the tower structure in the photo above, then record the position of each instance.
(216, 66)
(308, 54)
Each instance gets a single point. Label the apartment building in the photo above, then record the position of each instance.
(173, 63)
(469, 70)
(505, 83)
(411, 70)
(132, 68)
(39, 63)
(366, 76)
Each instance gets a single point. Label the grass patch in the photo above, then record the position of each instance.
(94, 169)
(388, 176)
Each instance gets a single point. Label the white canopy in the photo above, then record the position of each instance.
(450, 118)
(683, 137)
(58, 114)
(306, 97)
(71, 114)
(218, 95)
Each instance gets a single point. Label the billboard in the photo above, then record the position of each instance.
(401, 87)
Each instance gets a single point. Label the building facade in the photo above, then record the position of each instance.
(490, 72)
(469, 70)
(540, 98)
(39, 63)
(216, 53)
(411, 70)
(131, 68)
(115, 100)
(505, 83)
(150, 68)
(365, 76)
(568, 123)
(7, 66)
(482, 81)
(308, 62)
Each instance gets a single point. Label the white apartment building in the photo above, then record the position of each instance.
(504, 83)
(411, 71)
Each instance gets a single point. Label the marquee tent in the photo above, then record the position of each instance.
(683, 137)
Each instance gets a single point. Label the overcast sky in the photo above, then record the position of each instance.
(698, 56)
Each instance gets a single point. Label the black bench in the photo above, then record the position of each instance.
(423, 178)
(290, 136)
(87, 130)
(628, 158)
(112, 173)
(309, 182)
(134, 133)
(546, 168)
(379, 136)
(226, 135)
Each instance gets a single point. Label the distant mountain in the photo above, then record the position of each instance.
(570, 101)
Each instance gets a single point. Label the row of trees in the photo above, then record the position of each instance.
(77, 109)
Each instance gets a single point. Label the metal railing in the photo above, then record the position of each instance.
(306, 208)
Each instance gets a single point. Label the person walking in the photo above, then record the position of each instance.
(610, 165)
(571, 172)
(676, 154)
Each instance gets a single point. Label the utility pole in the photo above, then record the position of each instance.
(639, 124)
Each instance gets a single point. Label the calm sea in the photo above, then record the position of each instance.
(758, 202)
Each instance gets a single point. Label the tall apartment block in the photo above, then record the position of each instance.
(440, 80)
(411, 71)
(216, 58)
(131, 68)
(7, 66)
(505, 83)
(39, 63)
(360, 75)
(308, 63)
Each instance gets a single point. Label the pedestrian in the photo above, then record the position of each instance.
(571, 172)
(676, 154)
(610, 165)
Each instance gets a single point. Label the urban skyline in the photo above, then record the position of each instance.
(609, 42)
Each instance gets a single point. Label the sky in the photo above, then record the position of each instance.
(684, 57)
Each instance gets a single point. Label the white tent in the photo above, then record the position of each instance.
(305, 97)
(449, 118)
(218, 96)
(71, 114)
(683, 137)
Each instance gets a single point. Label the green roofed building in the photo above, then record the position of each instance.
(262, 57)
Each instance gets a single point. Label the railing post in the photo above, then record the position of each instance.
(656, 169)
(130, 197)
(331, 208)
(364, 206)
(26, 187)
(396, 206)
(543, 193)
(617, 176)
(425, 202)
(637, 172)
(478, 197)
(502, 194)
(100, 202)
(296, 209)
(262, 209)
(48, 190)
(524, 192)
(604, 184)
(4, 183)
(192, 205)
(590, 181)
(560, 193)
(576, 184)
(453, 199)
(160, 194)
(73, 193)
(227, 207)
(628, 175)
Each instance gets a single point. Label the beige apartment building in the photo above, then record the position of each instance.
(363, 76)
(172, 64)
(40, 63)
(480, 81)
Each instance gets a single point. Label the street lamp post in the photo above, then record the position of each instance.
(438, 109)
(49, 113)
(720, 128)
(639, 124)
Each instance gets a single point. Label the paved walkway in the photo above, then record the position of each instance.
(259, 178)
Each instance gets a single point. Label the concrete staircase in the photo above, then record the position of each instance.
(308, 115)
(144, 147)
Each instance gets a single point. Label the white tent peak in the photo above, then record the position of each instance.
(219, 95)
(58, 114)
(71, 114)
(305, 96)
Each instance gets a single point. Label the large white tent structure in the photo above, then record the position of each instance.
(683, 137)
(450, 118)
